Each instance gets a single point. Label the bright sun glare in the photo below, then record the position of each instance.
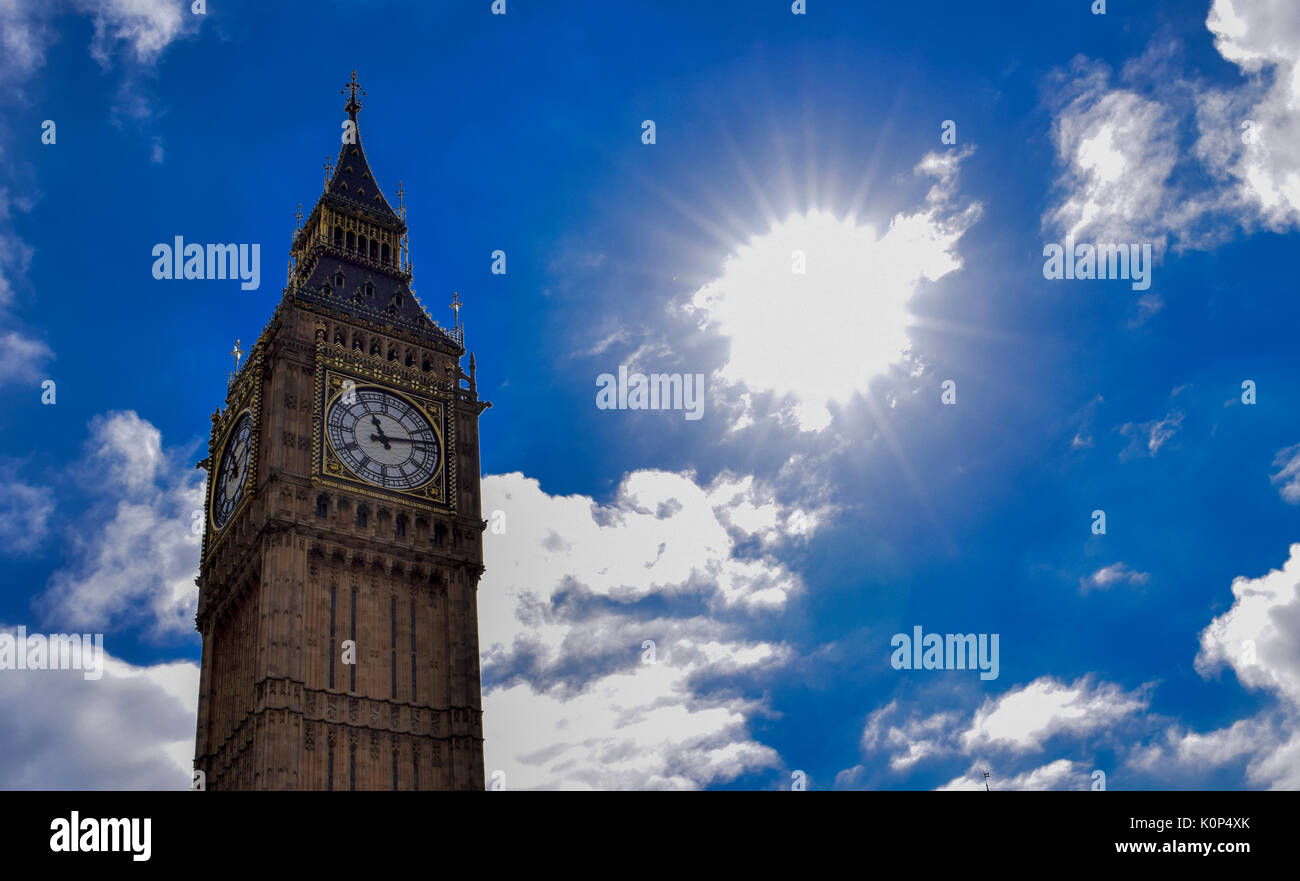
(821, 334)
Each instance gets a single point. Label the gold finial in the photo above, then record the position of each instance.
(455, 307)
(353, 104)
(238, 353)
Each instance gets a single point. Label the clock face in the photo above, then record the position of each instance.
(232, 471)
(383, 438)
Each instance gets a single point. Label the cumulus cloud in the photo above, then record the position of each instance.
(1159, 155)
(1005, 731)
(617, 632)
(1060, 774)
(779, 292)
(134, 555)
(1256, 638)
(131, 729)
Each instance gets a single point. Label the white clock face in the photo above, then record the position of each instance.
(232, 472)
(383, 439)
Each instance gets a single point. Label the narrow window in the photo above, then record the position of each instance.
(361, 245)
(392, 641)
(399, 526)
(329, 770)
(338, 236)
(394, 770)
(352, 767)
(413, 652)
(363, 515)
(322, 505)
(415, 769)
(330, 660)
(338, 279)
(352, 668)
(352, 241)
(383, 251)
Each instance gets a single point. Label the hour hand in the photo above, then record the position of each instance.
(380, 437)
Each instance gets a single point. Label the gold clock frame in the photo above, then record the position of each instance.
(437, 494)
(249, 478)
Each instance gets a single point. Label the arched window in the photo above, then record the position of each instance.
(410, 358)
(392, 354)
(399, 526)
(363, 515)
(425, 365)
(338, 236)
(338, 279)
(352, 241)
(374, 250)
(340, 337)
(439, 534)
(369, 289)
(383, 252)
(322, 505)
(356, 342)
(361, 245)
(374, 347)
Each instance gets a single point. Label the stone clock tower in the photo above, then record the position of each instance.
(343, 541)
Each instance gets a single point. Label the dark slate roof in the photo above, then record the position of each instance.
(353, 182)
(391, 301)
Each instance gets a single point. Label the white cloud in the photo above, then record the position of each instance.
(1257, 639)
(1287, 462)
(23, 359)
(1148, 437)
(572, 591)
(856, 281)
(1023, 719)
(1109, 576)
(1126, 175)
(145, 27)
(1057, 775)
(135, 555)
(131, 729)
(24, 517)
(1258, 636)
(1118, 150)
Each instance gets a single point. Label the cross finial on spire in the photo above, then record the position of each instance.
(238, 353)
(298, 216)
(351, 88)
(455, 307)
(329, 170)
(401, 200)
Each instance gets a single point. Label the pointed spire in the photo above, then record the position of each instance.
(352, 179)
(352, 88)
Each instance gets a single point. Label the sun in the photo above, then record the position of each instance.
(818, 305)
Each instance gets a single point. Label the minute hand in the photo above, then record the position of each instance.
(400, 440)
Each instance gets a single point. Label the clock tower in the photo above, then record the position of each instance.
(343, 539)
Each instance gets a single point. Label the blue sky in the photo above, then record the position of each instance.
(828, 499)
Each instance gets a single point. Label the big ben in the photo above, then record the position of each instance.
(343, 533)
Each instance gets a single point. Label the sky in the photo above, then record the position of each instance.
(839, 220)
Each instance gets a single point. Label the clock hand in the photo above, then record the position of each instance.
(380, 428)
(401, 440)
